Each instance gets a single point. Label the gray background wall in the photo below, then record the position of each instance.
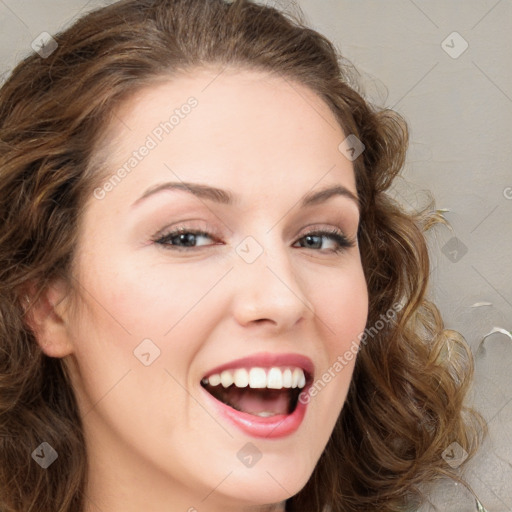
(458, 102)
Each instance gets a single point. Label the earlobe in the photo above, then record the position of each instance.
(47, 317)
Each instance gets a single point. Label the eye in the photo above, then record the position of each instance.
(188, 237)
(184, 239)
(341, 242)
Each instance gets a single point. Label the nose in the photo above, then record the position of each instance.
(270, 290)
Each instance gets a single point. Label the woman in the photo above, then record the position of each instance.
(208, 300)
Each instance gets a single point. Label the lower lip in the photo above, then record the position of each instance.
(273, 427)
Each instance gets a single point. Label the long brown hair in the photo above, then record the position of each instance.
(405, 402)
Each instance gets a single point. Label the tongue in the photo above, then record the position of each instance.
(254, 401)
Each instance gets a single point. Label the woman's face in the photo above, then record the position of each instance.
(161, 311)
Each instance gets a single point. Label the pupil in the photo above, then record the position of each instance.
(310, 238)
(187, 238)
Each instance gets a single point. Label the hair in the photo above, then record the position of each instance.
(405, 404)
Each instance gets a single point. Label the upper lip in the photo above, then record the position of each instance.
(268, 360)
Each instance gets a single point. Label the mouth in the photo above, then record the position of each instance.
(259, 391)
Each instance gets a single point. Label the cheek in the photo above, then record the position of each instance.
(127, 369)
(134, 315)
(344, 308)
(152, 299)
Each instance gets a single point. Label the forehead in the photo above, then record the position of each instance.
(216, 88)
(246, 126)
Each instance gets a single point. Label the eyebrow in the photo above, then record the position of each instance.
(222, 196)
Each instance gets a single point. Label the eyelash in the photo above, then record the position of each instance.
(343, 243)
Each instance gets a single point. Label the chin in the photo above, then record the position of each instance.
(265, 484)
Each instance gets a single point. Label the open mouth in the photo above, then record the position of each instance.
(261, 392)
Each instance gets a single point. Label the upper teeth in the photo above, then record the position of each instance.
(272, 378)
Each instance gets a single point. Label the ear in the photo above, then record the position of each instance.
(47, 317)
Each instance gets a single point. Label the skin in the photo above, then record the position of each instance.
(154, 443)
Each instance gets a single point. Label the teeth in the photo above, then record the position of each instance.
(241, 378)
(274, 379)
(258, 378)
(226, 378)
(296, 377)
(287, 378)
(214, 379)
